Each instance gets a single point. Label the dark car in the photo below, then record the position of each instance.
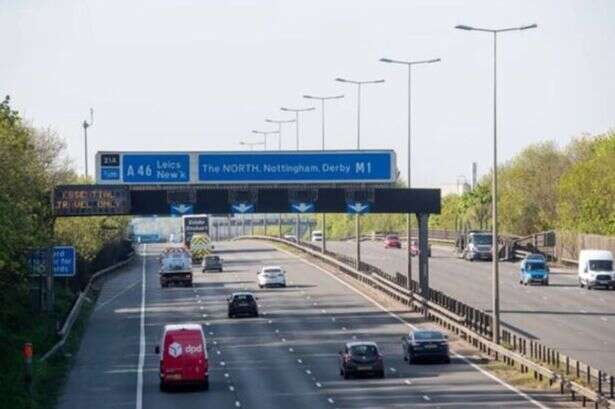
(392, 241)
(427, 345)
(361, 358)
(212, 263)
(242, 304)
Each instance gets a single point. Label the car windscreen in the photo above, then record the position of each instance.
(535, 266)
(428, 336)
(364, 350)
(601, 265)
(243, 298)
(272, 271)
(482, 239)
(212, 259)
(392, 238)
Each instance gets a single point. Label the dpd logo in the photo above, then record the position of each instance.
(175, 349)
(191, 349)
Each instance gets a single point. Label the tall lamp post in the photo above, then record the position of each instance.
(280, 122)
(265, 135)
(494, 183)
(297, 111)
(409, 64)
(359, 84)
(322, 109)
(86, 125)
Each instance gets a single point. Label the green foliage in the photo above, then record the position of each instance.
(586, 192)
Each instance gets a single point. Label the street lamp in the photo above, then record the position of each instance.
(251, 144)
(359, 84)
(409, 64)
(265, 134)
(322, 109)
(280, 122)
(494, 184)
(86, 125)
(297, 111)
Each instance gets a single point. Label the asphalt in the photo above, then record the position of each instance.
(578, 322)
(286, 358)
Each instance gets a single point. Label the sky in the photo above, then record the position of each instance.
(178, 75)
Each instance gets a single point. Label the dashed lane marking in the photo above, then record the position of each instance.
(318, 385)
(331, 401)
(427, 398)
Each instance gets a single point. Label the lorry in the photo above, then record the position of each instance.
(596, 269)
(475, 245)
(200, 246)
(175, 268)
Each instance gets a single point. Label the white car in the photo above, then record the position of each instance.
(271, 276)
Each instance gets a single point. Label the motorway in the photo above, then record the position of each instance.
(287, 358)
(578, 322)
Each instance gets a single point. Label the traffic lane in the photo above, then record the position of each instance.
(105, 363)
(550, 314)
(328, 314)
(263, 373)
(173, 305)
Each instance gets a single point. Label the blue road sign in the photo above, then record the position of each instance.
(242, 207)
(358, 207)
(64, 261)
(108, 173)
(155, 168)
(283, 167)
(302, 207)
(296, 167)
(181, 209)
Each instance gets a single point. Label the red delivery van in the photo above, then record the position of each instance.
(183, 356)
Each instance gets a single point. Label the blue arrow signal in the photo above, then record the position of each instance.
(242, 207)
(180, 209)
(358, 207)
(302, 207)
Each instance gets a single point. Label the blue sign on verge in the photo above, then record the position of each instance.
(64, 261)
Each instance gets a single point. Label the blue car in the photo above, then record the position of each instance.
(534, 270)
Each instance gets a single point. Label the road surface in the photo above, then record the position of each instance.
(287, 358)
(578, 322)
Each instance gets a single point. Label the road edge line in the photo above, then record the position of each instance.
(397, 317)
(139, 397)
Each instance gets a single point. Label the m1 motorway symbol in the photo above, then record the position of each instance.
(242, 207)
(302, 207)
(358, 207)
(180, 209)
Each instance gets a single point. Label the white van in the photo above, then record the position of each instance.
(596, 269)
(316, 235)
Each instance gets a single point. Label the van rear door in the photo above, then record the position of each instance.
(185, 356)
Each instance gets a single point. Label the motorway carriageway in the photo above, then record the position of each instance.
(286, 358)
(577, 322)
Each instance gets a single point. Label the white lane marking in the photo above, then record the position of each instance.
(291, 350)
(307, 371)
(211, 332)
(300, 361)
(408, 382)
(323, 311)
(283, 339)
(99, 306)
(204, 315)
(226, 375)
(269, 322)
(207, 324)
(198, 301)
(222, 363)
(462, 357)
(331, 401)
(332, 319)
(231, 388)
(343, 328)
(215, 342)
(139, 398)
(426, 397)
(277, 331)
(605, 319)
(318, 384)
(393, 370)
(218, 352)
(237, 404)
(201, 307)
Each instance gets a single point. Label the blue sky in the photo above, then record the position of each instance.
(200, 75)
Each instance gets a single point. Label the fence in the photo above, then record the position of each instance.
(474, 326)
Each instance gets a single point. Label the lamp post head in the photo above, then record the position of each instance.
(464, 27)
(528, 27)
(385, 60)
